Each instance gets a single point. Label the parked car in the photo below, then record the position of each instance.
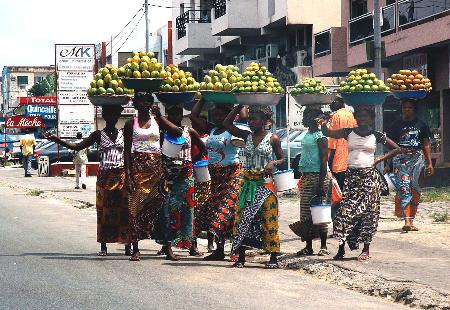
(50, 149)
(295, 137)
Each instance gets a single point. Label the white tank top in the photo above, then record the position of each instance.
(146, 140)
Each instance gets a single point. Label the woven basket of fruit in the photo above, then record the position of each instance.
(104, 100)
(173, 98)
(219, 82)
(409, 84)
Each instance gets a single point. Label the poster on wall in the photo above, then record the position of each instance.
(74, 119)
(73, 97)
(74, 80)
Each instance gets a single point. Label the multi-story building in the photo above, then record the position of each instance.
(17, 80)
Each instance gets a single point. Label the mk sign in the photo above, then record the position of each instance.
(24, 122)
(45, 100)
(75, 57)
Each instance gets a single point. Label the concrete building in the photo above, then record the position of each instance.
(17, 80)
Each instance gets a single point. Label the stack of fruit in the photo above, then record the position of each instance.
(107, 87)
(177, 80)
(311, 91)
(409, 84)
(219, 82)
(259, 87)
(309, 86)
(363, 88)
(145, 67)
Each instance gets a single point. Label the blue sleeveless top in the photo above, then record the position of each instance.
(220, 149)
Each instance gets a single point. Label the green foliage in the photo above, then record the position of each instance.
(46, 87)
(440, 217)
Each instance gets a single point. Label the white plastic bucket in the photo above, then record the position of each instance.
(284, 180)
(239, 142)
(390, 183)
(172, 146)
(321, 213)
(201, 172)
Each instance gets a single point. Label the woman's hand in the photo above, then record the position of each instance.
(430, 169)
(49, 136)
(155, 110)
(320, 121)
(269, 169)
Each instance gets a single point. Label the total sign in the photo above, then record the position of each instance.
(75, 57)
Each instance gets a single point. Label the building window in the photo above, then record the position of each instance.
(357, 8)
(38, 79)
(322, 43)
(389, 2)
(22, 80)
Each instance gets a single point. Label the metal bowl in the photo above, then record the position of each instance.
(265, 99)
(190, 105)
(174, 98)
(149, 85)
(103, 100)
(218, 97)
(365, 97)
(409, 94)
(314, 99)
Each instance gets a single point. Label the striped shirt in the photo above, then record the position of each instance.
(111, 152)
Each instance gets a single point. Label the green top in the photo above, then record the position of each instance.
(310, 159)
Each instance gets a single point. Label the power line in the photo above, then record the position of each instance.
(125, 26)
(131, 32)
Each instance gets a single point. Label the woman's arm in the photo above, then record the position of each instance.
(323, 156)
(276, 147)
(394, 150)
(128, 139)
(197, 121)
(332, 133)
(196, 140)
(164, 124)
(89, 141)
(427, 154)
(228, 123)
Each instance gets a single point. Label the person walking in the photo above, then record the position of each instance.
(337, 148)
(256, 221)
(224, 167)
(80, 159)
(111, 196)
(357, 219)
(27, 144)
(314, 185)
(413, 135)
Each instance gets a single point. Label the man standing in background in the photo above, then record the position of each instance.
(337, 148)
(27, 144)
(80, 159)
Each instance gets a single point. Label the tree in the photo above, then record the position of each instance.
(45, 87)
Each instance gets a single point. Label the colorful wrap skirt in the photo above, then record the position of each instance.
(175, 223)
(202, 211)
(407, 171)
(225, 183)
(112, 206)
(357, 219)
(145, 201)
(256, 220)
(305, 228)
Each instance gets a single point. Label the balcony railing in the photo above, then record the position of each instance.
(411, 11)
(220, 8)
(322, 43)
(361, 27)
(191, 16)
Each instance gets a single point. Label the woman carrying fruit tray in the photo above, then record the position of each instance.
(256, 221)
(224, 169)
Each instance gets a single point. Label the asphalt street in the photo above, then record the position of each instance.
(48, 261)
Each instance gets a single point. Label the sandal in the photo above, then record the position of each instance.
(305, 252)
(195, 253)
(135, 257)
(234, 258)
(272, 265)
(323, 252)
(414, 228)
(238, 264)
(406, 228)
(102, 253)
(364, 256)
(215, 256)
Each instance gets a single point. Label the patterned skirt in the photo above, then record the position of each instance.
(357, 219)
(111, 205)
(305, 228)
(256, 224)
(145, 202)
(225, 184)
(175, 223)
(202, 212)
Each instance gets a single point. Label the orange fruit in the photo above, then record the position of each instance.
(414, 72)
(419, 76)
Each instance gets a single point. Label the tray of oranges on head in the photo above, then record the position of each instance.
(409, 84)
(179, 86)
(363, 88)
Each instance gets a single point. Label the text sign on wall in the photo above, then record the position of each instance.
(46, 100)
(76, 57)
(24, 122)
(73, 97)
(47, 112)
(75, 118)
(74, 80)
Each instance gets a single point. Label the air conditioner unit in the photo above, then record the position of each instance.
(271, 50)
(260, 53)
(301, 56)
(242, 58)
(236, 60)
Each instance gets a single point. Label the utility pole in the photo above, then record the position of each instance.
(146, 27)
(377, 64)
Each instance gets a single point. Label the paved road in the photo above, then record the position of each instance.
(48, 260)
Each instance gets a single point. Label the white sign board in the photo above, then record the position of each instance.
(75, 57)
(75, 118)
(295, 114)
(74, 80)
(73, 97)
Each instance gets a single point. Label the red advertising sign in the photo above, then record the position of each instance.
(47, 100)
(24, 122)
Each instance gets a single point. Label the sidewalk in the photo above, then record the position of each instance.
(420, 260)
